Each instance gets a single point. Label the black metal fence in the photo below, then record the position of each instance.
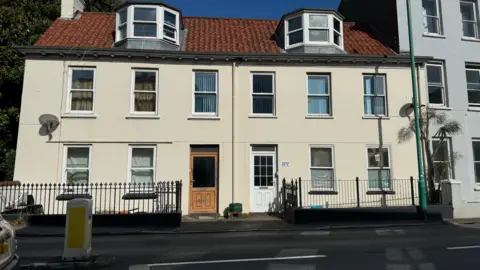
(349, 193)
(108, 198)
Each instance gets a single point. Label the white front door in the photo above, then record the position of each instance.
(263, 171)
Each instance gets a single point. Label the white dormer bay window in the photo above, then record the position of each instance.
(313, 29)
(148, 22)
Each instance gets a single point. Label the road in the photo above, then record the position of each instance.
(434, 247)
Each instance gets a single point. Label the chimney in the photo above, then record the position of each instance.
(70, 7)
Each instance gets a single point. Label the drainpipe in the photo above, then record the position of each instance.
(234, 63)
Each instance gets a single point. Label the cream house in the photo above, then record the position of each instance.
(229, 106)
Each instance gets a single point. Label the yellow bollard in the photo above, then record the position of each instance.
(78, 230)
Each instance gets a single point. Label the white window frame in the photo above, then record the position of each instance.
(120, 25)
(329, 28)
(64, 165)
(176, 27)
(339, 33)
(252, 94)
(332, 149)
(476, 69)
(70, 90)
(287, 32)
(438, 17)
(195, 93)
(474, 5)
(380, 168)
(385, 94)
(156, 22)
(130, 169)
(440, 64)
(475, 140)
(133, 91)
(329, 94)
(449, 157)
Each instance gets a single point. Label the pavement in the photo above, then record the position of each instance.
(432, 247)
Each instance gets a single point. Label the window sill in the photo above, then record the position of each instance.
(376, 117)
(203, 117)
(69, 197)
(380, 192)
(432, 35)
(477, 188)
(470, 39)
(262, 116)
(474, 109)
(150, 117)
(440, 108)
(323, 192)
(318, 117)
(80, 116)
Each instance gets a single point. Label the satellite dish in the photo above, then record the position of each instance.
(49, 125)
(406, 110)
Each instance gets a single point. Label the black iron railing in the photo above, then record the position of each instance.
(108, 198)
(349, 193)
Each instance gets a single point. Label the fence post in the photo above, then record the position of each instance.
(357, 185)
(292, 187)
(284, 195)
(300, 191)
(412, 190)
(178, 191)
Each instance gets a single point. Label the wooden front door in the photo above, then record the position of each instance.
(203, 182)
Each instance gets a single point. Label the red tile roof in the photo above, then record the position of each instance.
(96, 30)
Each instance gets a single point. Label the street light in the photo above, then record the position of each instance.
(421, 179)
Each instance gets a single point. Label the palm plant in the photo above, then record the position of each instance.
(429, 119)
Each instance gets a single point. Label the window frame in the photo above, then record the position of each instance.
(158, 18)
(385, 95)
(438, 17)
(475, 140)
(329, 95)
(389, 151)
(339, 33)
(194, 73)
(310, 167)
(273, 94)
(70, 90)
(176, 27)
(120, 25)
(130, 169)
(474, 5)
(476, 69)
(64, 164)
(329, 30)
(440, 64)
(287, 32)
(450, 161)
(133, 91)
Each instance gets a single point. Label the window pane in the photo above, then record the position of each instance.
(82, 101)
(263, 104)
(378, 157)
(205, 103)
(374, 105)
(337, 39)
(474, 97)
(379, 179)
(318, 105)
(477, 172)
(145, 102)
(441, 171)
(170, 18)
(435, 95)
(82, 79)
(77, 177)
(141, 178)
(318, 35)
(262, 83)
(336, 25)
(78, 157)
(205, 82)
(322, 178)
(295, 37)
(368, 85)
(468, 11)
(145, 29)
(433, 25)
(473, 76)
(122, 16)
(440, 150)
(318, 85)
(169, 31)
(469, 29)
(318, 21)
(145, 14)
(476, 151)
(434, 74)
(142, 157)
(379, 86)
(321, 157)
(123, 32)
(430, 7)
(145, 80)
(294, 24)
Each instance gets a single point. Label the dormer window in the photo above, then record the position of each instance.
(148, 22)
(313, 28)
